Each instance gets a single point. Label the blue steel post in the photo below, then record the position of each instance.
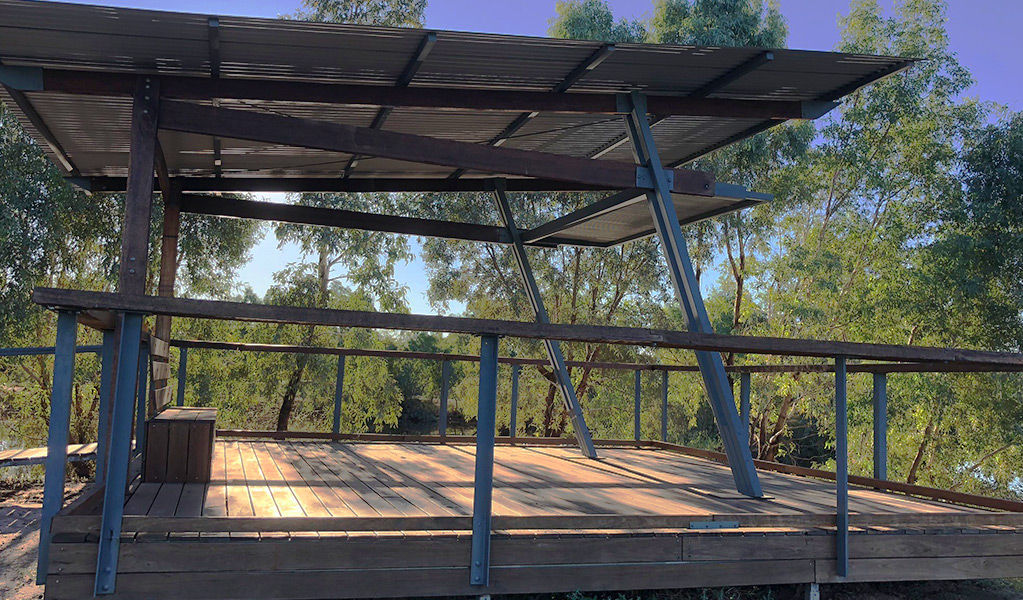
(339, 388)
(881, 426)
(744, 407)
(182, 374)
(664, 406)
(106, 384)
(116, 480)
(841, 468)
(56, 441)
(513, 419)
(141, 402)
(554, 355)
(483, 483)
(445, 386)
(636, 406)
(687, 290)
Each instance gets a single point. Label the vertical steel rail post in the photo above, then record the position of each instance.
(182, 374)
(483, 482)
(636, 404)
(106, 384)
(744, 404)
(687, 290)
(553, 347)
(116, 480)
(513, 419)
(445, 386)
(339, 388)
(140, 409)
(841, 468)
(881, 426)
(664, 406)
(56, 439)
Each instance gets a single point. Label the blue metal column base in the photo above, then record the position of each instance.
(483, 483)
(182, 374)
(841, 468)
(106, 384)
(664, 406)
(636, 406)
(56, 441)
(116, 480)
(744, 403)
(513, 420)
(339, 388)
(687, 290)
(553, 347)
(881, 426)
(445, 387)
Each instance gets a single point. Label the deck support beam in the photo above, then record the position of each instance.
(483, 482)
(56, 442)
(118, 460)
(841, 468)
(562, 379)
(687, 290)
(880, 426)
(445, 389)
(664, 406)
(182, 374)
(339, 388)
(513, 419)
(106, 383)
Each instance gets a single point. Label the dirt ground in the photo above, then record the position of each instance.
(19, 537)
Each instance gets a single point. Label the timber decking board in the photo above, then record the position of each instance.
(18, 457)
(339, 479)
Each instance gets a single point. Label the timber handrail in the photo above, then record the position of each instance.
(238, 311)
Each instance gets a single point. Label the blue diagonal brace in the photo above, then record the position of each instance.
(557, 359)
(683, 278)
(56, 443)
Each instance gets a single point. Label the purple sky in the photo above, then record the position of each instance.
(983, 32)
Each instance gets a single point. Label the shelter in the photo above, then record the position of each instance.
(137, 101)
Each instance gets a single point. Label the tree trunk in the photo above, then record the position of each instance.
(914, 471)
(774, 442)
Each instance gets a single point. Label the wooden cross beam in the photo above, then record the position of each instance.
(307, 133)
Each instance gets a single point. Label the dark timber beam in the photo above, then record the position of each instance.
(308, 133)
(425, 45)
(90, 83)
(331, 217)
(239, 311)
(213, 33)
(138, 203)
(334, 184)
(709, 88)
(577, 73)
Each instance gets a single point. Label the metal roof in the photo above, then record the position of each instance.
(93, 131)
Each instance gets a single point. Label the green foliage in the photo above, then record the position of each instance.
(718, 23)
(392, 13)
(592, 20)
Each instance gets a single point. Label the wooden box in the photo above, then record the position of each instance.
(179, 445)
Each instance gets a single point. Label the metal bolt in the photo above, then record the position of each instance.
(477, 563)
(132, 271)
(131, 258)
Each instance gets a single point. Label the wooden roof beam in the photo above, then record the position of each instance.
(308, 133)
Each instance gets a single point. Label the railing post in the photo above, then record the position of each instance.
(182, 374)
(483, 483)
(744, 404)
(636, 405)
(841, 468)
(106, 384)
(339, 388)
(513, 424)
(140, 409)
(56, 440)
(687, 290)
(116, 480)
(881, 426)
(445, 383)
(664, 406)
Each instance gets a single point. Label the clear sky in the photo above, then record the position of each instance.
(984, 33)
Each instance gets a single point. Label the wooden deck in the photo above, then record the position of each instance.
(315, 519)
(20, 457)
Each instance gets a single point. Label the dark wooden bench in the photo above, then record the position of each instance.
(179, 445)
